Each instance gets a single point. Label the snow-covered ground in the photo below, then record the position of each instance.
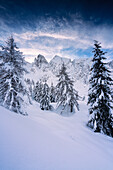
(45, 140)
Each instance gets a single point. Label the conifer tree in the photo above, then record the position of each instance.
(38, 91)
(29, 89)
(11, 74)
(67, 96)
(52, 93)
(99, 97)
(45, 100)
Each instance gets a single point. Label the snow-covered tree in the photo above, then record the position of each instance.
(99, 98)
(52, 93)
(29, 89)
(11, 78)
(67, 96)
(45, 100)
(38, 91)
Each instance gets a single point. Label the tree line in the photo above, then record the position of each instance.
(63, 94)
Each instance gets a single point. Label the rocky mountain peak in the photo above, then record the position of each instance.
(40, 61)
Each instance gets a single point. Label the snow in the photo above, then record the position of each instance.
(35, 74)
(45, 140)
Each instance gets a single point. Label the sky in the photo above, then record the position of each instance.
(66, 28)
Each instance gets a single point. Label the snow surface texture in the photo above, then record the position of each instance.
(46, 141)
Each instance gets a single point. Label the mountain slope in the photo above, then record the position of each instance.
(56, 63)
(47, 141)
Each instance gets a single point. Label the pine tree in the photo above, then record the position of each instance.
(45, 100)
(52, 93)
(99, 97)
(66, 95)
(11, 74)
(38, 91)
(29, 89)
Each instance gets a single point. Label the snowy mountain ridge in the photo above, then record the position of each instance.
(78, 69)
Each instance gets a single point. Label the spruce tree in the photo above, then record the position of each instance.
(45, 99)
(67, 96)
(52, 93)
(38, 91)
(29, 89)
(99, 97)
(11, 74)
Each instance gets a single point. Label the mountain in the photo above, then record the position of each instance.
(56, 63)
(40, 71)
(41, 62)
(81, 69)
(78, 70)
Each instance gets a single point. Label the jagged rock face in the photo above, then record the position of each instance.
(41, 62)
(81, 69)
(56, 64)
(78, 69)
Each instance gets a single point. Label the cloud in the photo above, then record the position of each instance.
(60, 37)
(56, 36)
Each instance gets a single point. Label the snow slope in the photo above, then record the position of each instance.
(47, 141)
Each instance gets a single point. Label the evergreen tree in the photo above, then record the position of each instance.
(52, 93)
(29, 89)
(45, 100)
(38, 91)
(66, 95)
(11, 74)
(99, 97)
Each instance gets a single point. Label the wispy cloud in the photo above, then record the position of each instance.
(53, 37)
